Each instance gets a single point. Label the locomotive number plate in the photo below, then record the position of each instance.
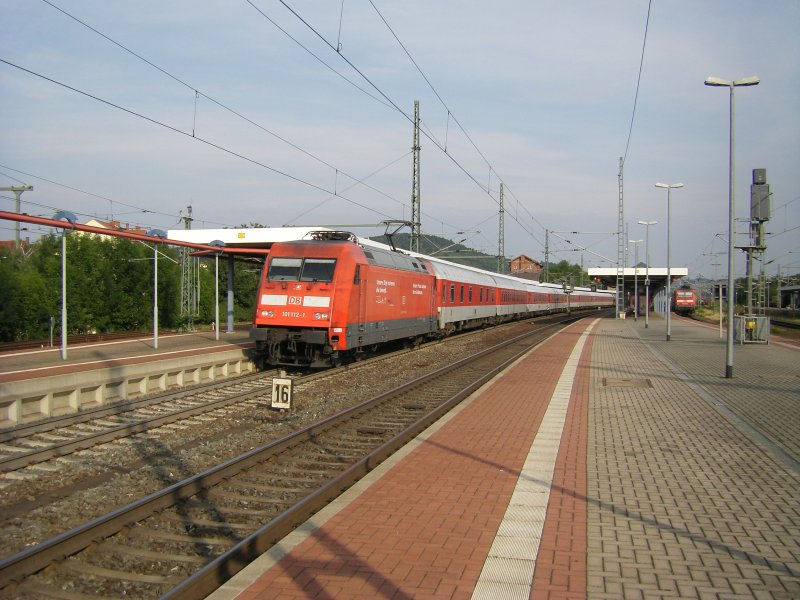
(282, 392)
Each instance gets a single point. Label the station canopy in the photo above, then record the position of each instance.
(632, 276)
(255, 237)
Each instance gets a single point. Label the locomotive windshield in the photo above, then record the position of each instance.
(299, 269)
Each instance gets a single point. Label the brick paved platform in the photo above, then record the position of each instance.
(607, 463)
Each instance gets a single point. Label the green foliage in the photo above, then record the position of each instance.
(564, 270)
(109, 287)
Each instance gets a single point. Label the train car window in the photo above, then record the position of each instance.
(481, 296)
(470, 294)
(284, 269)
(452, 293)
(318, 269)
(461, 294)
(357, 276)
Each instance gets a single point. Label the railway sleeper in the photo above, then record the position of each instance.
(93, 573)
(206, 522)
(150, 535)
(149, 554)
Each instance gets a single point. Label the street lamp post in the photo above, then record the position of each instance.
(669, 187)
(69, 217)
(647, 271)
(635, 278)
(717, 82)
(159, 233)
(218, 244)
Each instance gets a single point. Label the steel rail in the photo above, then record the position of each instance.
(113, 409)
(19, 460)
(786, 324)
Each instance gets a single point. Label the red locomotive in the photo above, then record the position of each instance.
(324, 301)
(684, 300)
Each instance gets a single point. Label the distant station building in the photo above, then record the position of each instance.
(525, 267)
(113, 225)
(789, 296)
(634, 282)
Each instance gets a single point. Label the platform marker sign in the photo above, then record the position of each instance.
(282, 392)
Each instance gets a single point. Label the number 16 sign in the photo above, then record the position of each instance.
(281, 393)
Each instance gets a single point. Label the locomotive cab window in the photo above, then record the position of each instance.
(284, 269)
(318, 269)
(297, 269)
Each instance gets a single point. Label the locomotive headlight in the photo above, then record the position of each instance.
(320, 316)
(267, 313)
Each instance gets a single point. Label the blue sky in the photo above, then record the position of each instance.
(536, 94)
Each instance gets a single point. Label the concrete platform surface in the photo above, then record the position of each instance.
(607, 463)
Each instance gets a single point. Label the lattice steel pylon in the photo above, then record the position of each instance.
(501, 241)
(415, 185)
(620, 248)
(190, 280)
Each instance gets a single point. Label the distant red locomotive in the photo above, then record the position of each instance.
(684, 300)
(325, 300)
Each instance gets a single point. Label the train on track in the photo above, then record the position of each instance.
(326, 300)
(684, 300)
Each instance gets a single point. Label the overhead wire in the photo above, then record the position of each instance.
(486, 189)
(74, 189)
(452, 116)
(193, 137)
(638, 82)
(266, 130)
(218, 103)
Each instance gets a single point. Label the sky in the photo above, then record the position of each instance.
(300, 112)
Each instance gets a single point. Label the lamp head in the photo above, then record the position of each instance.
(66, 216)
(716, 81)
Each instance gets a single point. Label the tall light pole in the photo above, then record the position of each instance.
(69, 217)
(635, 278)
(717, 82)
(159, 233)
(669, 187)
(647, 271)
(218, 244)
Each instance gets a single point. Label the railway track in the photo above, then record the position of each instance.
(185, 540)
(784, 324)
(52, 438)
(72, 340)
(49, 439)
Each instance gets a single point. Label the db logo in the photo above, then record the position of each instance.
(295, 300)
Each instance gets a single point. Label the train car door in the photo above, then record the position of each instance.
(361, 286)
